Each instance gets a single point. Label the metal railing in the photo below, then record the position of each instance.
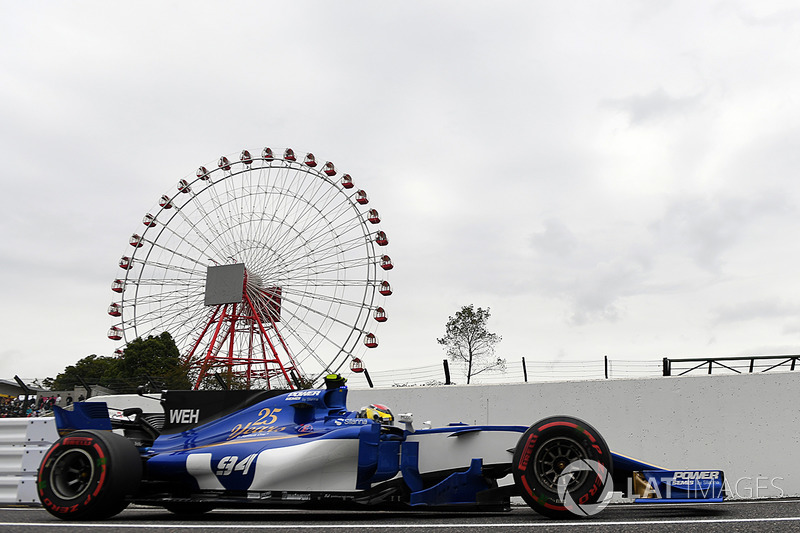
(736, 365)
(520, 371)
(527, 371)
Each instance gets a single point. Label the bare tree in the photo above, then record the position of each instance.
(469, 342)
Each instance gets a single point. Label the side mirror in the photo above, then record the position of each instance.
(408, 420)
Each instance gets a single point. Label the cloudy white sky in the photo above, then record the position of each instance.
(610, 178)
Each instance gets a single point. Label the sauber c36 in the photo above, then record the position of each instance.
(226, 449)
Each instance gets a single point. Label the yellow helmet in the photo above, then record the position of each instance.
(379, 413)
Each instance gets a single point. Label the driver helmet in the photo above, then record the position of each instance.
(379, 413)
(334, 381)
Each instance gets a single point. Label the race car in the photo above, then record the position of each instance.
(304, 448)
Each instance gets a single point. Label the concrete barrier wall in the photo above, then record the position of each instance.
(747, 425)
(23, 443)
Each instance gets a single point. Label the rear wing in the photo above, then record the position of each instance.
(84, 415)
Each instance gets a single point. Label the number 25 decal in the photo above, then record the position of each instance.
(266, 417)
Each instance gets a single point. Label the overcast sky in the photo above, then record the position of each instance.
(610, 178)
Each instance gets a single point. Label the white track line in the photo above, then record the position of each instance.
(349, 527)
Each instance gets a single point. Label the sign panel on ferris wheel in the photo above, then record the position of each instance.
(272, 269)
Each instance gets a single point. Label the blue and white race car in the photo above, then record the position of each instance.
(223, 449)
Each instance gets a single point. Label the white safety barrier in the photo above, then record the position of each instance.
(23, 443)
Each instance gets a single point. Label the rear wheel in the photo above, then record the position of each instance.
(88, 475)
(562, 467)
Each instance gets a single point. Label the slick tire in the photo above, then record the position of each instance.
(549, 447)
(88, 474)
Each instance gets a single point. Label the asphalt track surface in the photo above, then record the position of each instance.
(756, 516)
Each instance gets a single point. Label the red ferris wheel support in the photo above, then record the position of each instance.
(243, 338)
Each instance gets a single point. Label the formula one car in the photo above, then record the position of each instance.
(223, 449)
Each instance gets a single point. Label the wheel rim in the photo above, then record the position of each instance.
(553, 456)
(71, 474)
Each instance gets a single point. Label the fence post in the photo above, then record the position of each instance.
(224, 385)
(446, 372)
(87, 387)
(26, 391)
(524, 370)
(605, 360)
(667, 371)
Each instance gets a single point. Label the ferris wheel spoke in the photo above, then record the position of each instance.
(311, 229)
(277, 194)
(324, 251)
(335, 214)
(300, 295)
(322, 277)
(318, 214)
(346, 254)
(168, 307)
(314, 216)
(327, 366)
(236, 221)
(154, 323)
(330, 263)
(187, 283)
(161, 299)
(289, 199)
(185, 241)
(331, 282)
(167, 267)
(302, 191)
(184, 255)
(192, 225)
(334, 320)
(276, 232)
(308, 350)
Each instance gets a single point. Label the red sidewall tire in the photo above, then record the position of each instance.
(88, 475)
(536, 467)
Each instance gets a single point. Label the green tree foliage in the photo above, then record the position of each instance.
(93, 369)
(469, 342)
(155, 357)
(224, 379)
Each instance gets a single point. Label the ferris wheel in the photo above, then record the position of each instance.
(269, 268)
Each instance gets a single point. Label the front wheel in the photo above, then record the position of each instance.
(88, 474)
(562, 468)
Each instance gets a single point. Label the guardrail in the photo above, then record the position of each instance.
(533, 371)
(523, 370)
(528, 370)
(748, 364)
(23, 443)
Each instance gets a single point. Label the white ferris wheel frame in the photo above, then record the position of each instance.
(310, 250)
